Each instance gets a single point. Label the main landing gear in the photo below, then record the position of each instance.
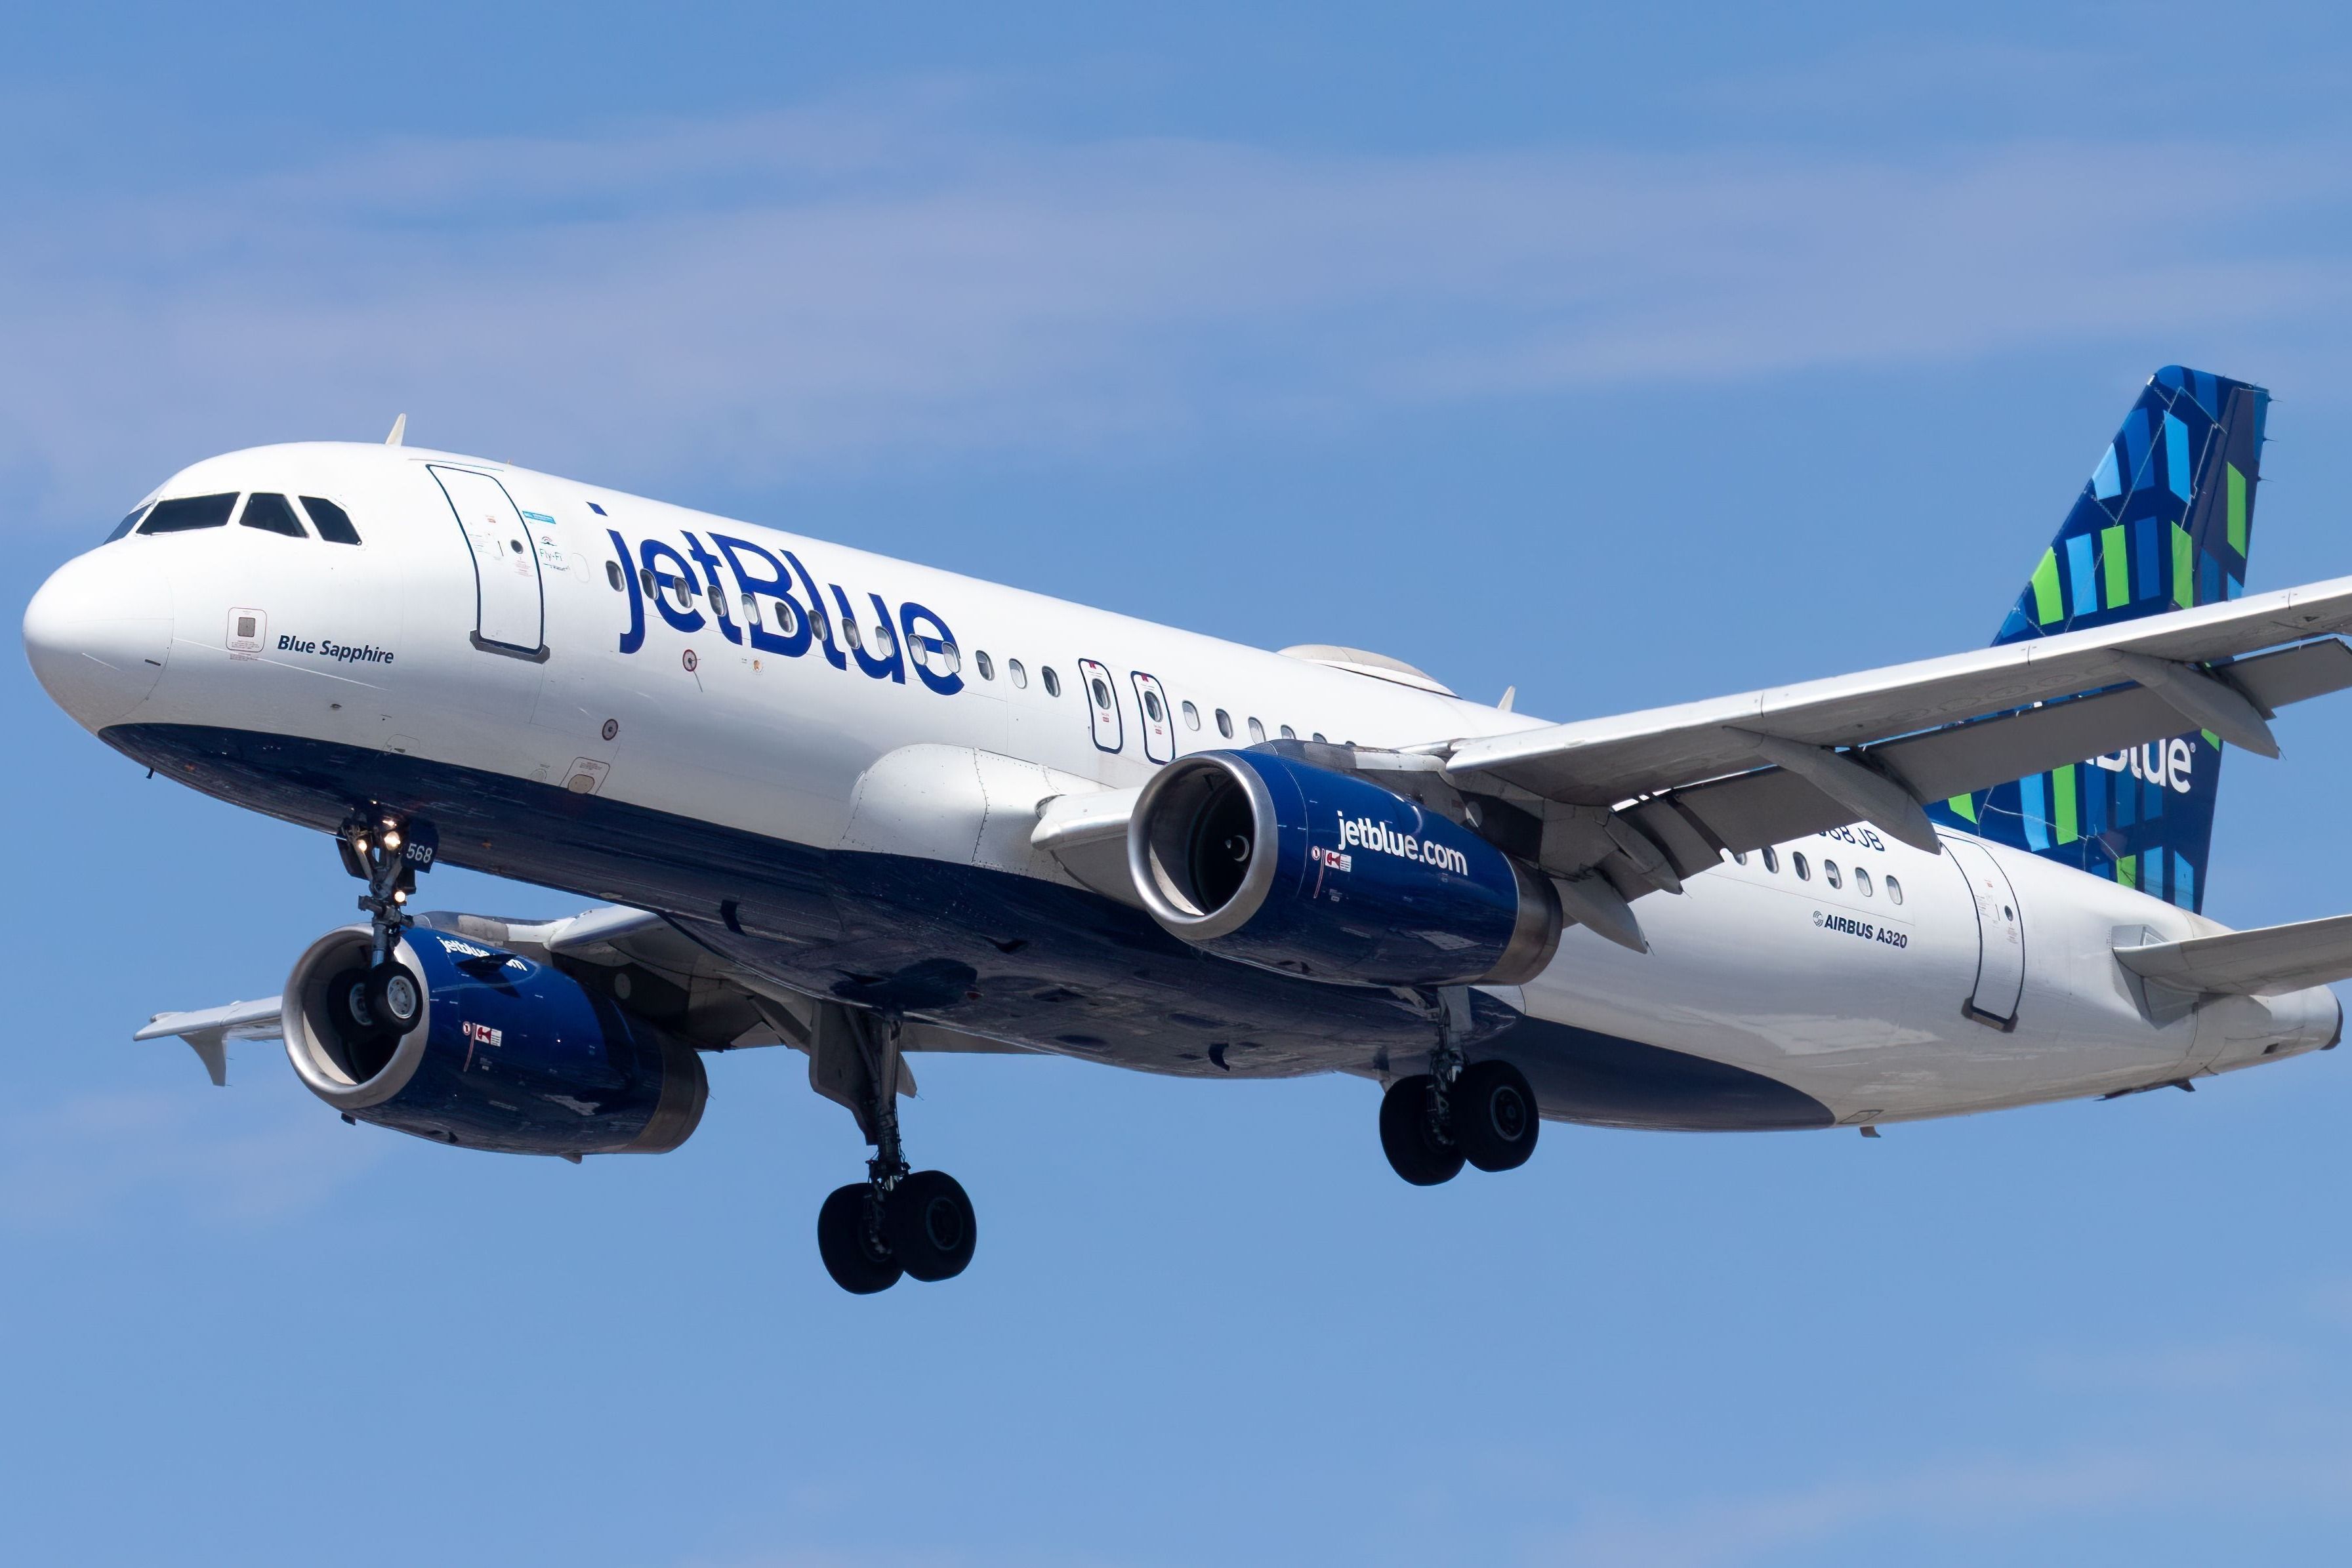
(374, 1005)
(897, 1221)
(1480, 1113)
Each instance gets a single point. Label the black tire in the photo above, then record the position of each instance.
(931, 1224)
(396, 997)
(1419, 1149)
(367, 1048)
(852, 1255)
(1494, 1116)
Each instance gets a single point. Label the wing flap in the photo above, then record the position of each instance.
(2263, 963)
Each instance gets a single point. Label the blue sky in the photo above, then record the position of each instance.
(1622, 360)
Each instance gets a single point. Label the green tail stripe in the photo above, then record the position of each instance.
(2237, 510)
(2062, 803)
(2046, 607)
(2127, 872)
(1963, 805)
(2118, 560)
(2184, 568)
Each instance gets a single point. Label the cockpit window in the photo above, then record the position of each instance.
(333, 523)
(263, 510)
(185, 512)
(125, 525)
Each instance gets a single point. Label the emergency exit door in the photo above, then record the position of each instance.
(510, 602)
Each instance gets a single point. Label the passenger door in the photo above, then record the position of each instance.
(1101, 699)
(1159, 723)
(2000, 935)
(509, 601)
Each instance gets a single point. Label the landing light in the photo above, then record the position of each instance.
(391, 841)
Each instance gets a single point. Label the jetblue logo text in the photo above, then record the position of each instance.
(2164, 764)
(1369, 833)
(774, 606)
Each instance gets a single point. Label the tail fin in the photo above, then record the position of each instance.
(2163, 524)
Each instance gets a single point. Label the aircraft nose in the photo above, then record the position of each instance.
(99, 633)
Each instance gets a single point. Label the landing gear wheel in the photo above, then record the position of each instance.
(845, 1238)
(394, 998)
(1419, 1149)
(930, 1226)
(1493, 1113)
(367, 1045)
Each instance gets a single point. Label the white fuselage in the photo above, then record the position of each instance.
(1857, 1000)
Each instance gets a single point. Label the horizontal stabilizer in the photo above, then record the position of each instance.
(2262, 963)
(209, 1030)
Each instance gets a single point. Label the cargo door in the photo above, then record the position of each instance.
(510, 600)
(1159, 723)
(2000, 935)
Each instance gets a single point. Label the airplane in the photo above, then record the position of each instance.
(865, 809)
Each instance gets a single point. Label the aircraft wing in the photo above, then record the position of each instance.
(209, 1031)
(1762, 767)
(672, 980)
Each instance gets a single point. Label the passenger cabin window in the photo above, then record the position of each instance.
(1830, 874)
(333, 523)
(1053, 682)
(1224, 724)
(264, 511)
(1151, 706)
(1257, 730)
(851, 635)
(1894, 889)
(1318, 737)
(1102, 693)
(126, 525)
(1191, 715)
(819, 624)
(1288, 733)
(752, 612)
(987, 666)
(613, 574)
(1861, 882)
(1771, 862)
(1797, 864)
(885, 640)
(189, 512)
(788, 620)
(1013, 667)
(1738, 859)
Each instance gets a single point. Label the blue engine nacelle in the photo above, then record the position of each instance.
(1256, 856)
(508, 1054)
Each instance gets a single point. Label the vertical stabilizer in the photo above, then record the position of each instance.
(2164, 524)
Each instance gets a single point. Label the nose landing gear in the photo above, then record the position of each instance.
(1482, 1113)
(896, 1222)
(374, 1006)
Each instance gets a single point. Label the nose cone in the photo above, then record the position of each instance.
(99, 632)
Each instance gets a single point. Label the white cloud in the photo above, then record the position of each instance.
(757, 296)
(249, 1155)
(1978, 1499)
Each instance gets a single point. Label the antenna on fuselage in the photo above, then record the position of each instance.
(399, 429)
